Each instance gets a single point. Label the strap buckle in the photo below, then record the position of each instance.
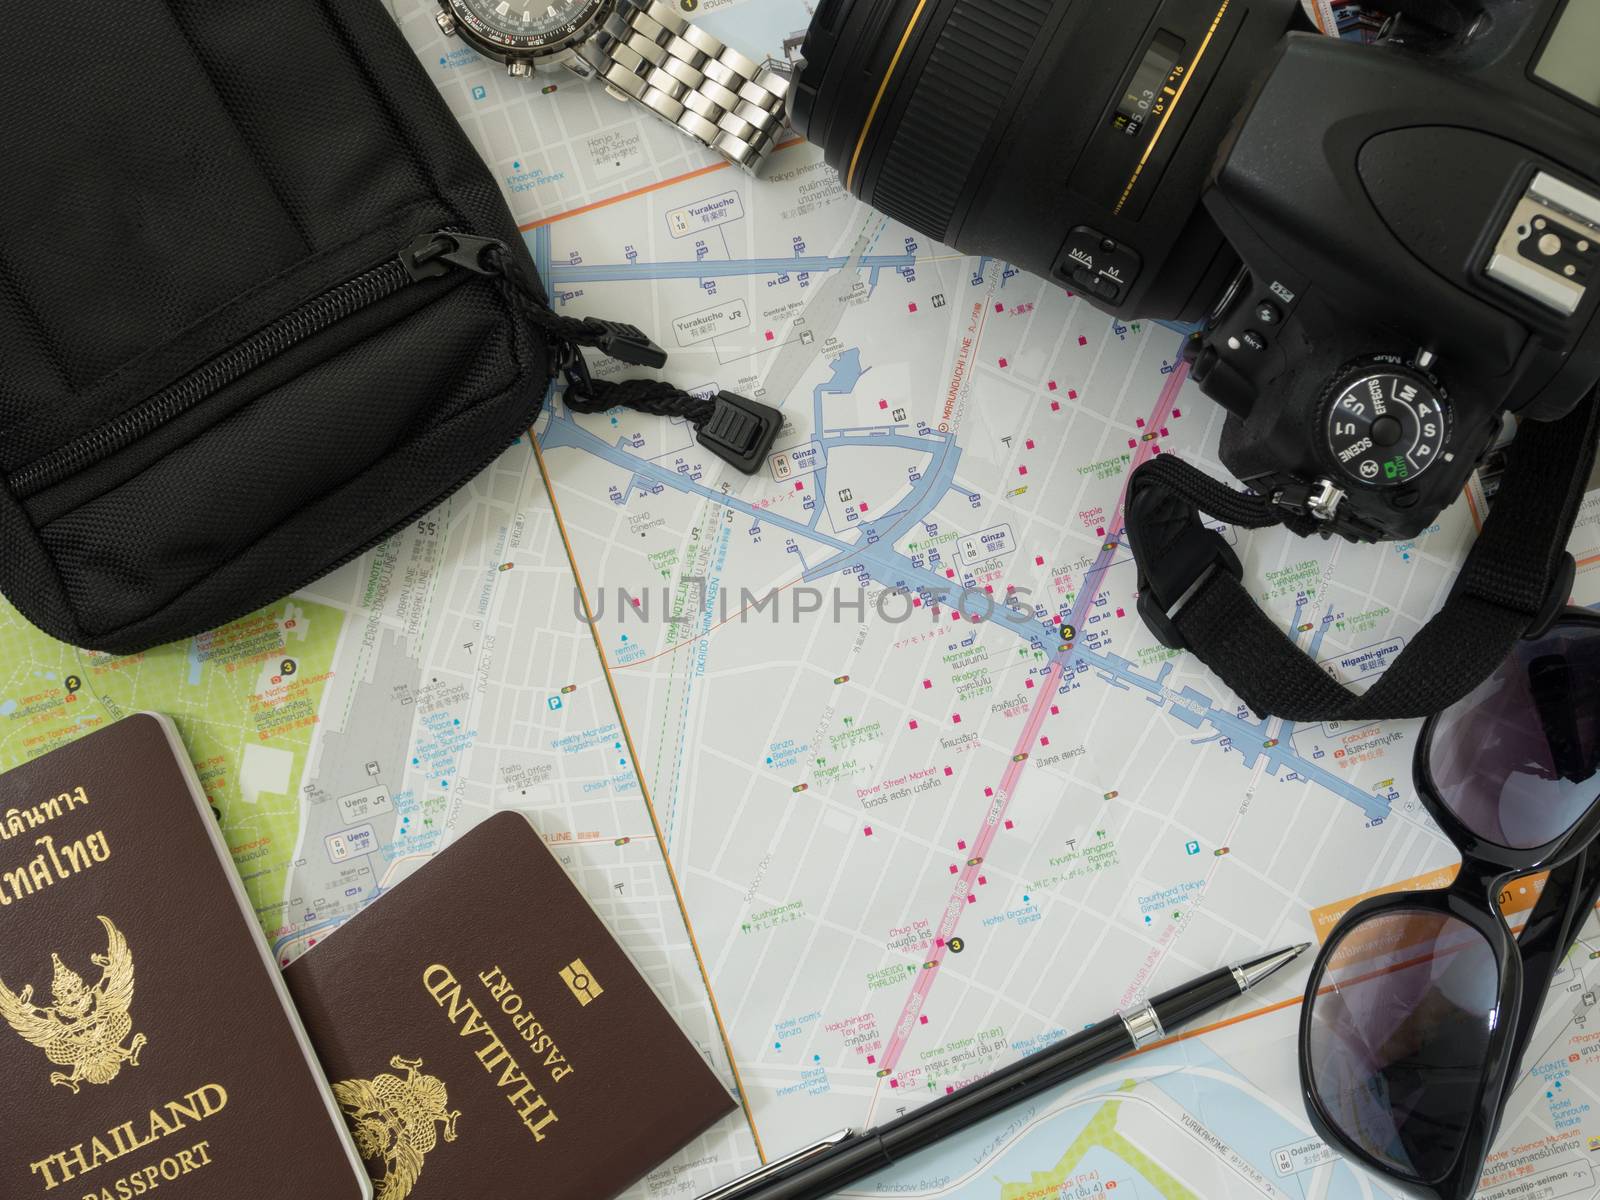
(1190, 553)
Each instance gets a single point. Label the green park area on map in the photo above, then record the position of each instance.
(246, 699)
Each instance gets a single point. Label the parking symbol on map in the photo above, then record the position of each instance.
(480, 92)
(555, 703)
(1192, 847)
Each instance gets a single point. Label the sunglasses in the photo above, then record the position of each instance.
(1421, 1004)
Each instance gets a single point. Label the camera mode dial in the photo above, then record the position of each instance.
(1385, 422)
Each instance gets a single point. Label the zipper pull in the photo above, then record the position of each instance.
(434, 254)
(740, 431)
(625, 343)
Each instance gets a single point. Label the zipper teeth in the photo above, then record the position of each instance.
(310, 318)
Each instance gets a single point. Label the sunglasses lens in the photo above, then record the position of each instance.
(1517, 760)
(1399, 1033)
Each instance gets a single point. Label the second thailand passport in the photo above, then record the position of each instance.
(487, 1037)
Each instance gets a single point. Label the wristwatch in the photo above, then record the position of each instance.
(643, 51)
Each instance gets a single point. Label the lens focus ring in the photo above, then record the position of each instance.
(953, 105)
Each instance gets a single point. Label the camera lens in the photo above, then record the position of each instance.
(1069, 137)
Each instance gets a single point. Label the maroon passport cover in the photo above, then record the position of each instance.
(484, 1003)
(146, 1043)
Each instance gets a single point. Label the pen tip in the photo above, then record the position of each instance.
(1253, 972)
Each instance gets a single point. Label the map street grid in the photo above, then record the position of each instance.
(868, 759)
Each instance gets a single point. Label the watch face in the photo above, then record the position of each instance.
(540, 26)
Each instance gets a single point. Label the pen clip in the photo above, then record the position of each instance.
(730, 1190)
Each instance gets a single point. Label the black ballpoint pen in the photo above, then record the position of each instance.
(837, 1161)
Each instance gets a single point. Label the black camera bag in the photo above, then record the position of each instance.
(261, 304)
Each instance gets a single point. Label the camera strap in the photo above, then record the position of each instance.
(1516, 578)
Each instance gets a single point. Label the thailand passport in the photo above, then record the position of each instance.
(488, 1038)
(147, 1046)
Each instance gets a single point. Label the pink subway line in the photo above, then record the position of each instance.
(994, 817)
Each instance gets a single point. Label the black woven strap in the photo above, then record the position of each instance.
(1192, 592)
(653, 396)
(736, 429)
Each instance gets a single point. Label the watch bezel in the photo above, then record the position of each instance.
(507, 48)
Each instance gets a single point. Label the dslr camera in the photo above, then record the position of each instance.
(1383, 249)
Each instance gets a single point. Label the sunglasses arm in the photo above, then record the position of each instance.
(1552, 930)
(1586, 895)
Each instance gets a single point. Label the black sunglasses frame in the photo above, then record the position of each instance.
(1525, 965)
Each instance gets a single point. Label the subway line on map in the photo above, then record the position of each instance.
(873, 554)
(989, 828)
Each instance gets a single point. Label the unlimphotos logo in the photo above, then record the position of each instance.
(580, 982)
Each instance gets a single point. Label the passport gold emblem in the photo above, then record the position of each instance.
(85, 1026)
(393, 1121)
(580, 982)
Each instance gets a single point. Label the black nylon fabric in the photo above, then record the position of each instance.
(1449, 657)
(1503, 587)
(211, 170)
(1187, 482)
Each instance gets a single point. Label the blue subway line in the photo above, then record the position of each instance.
(873, 551)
